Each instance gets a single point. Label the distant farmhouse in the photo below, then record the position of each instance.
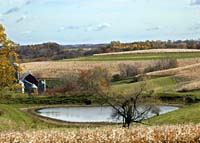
(29, 83)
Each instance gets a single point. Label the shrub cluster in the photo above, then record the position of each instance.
(161, 65)
(91, 81)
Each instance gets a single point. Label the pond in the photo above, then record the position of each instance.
(89, 114)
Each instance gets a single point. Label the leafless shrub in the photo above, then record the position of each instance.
(161, 65)
(188, 86)
(67, 83)
(116, 77)
(131, 108)
(94, 79)
(127, 71)
(86, 80)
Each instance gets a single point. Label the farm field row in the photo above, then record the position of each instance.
(152, 51)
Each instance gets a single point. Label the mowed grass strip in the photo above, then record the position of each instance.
(149, 56)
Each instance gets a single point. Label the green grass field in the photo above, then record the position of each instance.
(12, 118)
(123, 57)
(187, 114)
(163, 87)
(161, 84)
(15, 119)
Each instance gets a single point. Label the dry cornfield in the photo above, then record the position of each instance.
(56, 69)
(185, 71)
(141, 134)
(51, 69)
(190, 86)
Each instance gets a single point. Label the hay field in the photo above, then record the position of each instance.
(141, 134)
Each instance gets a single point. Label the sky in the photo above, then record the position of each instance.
(99, 21)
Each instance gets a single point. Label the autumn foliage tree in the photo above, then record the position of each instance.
(8, 56)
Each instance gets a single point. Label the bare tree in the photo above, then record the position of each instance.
(161, 65)
(127, 71)
(130, 108)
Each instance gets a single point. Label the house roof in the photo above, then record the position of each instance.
(15, 64)
(30, 78)
(25, 75)
(33, 86)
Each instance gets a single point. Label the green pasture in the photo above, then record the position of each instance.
(124, 57)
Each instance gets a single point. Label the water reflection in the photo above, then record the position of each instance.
(89, 114)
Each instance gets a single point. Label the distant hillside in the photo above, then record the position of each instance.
(54, 51)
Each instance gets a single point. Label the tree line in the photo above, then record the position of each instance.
(54, 51)
(116, 46)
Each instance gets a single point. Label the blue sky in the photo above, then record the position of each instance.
(99, 21)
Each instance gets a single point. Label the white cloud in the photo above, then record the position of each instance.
(27, 32)
(21, 19)
(1, 17)
(74, 27)
(98, 27)
(15, 5)
(122, 1)
(61, 28)
(153, 28)
(195, 2)
(11, 10)
(90, 27)
(27, 2)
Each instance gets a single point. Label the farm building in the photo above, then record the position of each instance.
(32, 84)
(29, 83)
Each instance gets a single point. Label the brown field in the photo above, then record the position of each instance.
(56, 69)
(141, 134)
(191, 71)
(152, 51)
(194, 85)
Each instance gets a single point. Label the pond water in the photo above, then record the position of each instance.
(89, 114)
